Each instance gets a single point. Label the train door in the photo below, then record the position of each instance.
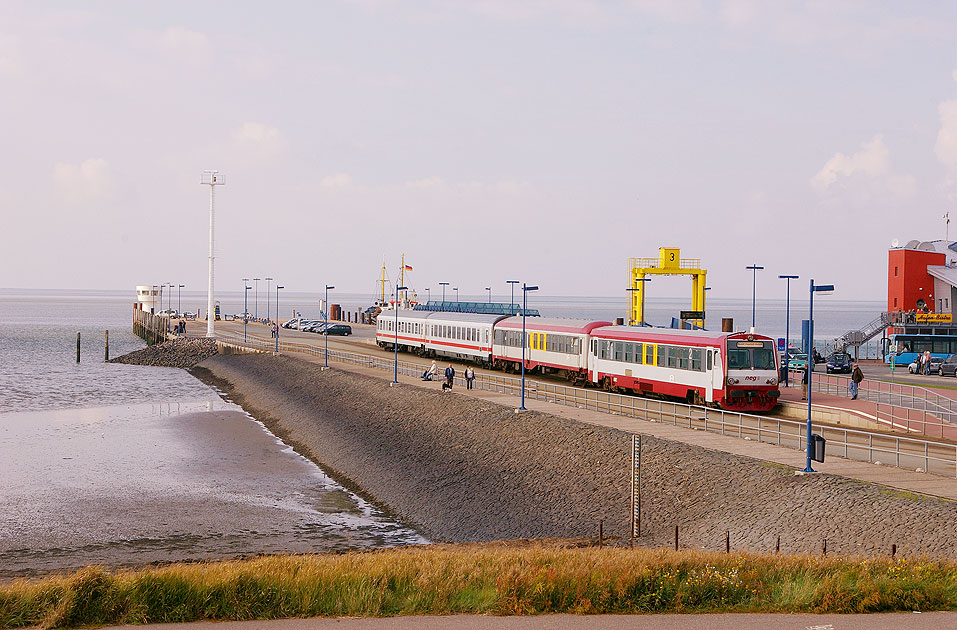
(716, 382)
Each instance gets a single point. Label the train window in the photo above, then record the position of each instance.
(650, 354)
(619, 350)
(739, 359)
(638, 352)
(629, 352)
(710, 360)
(696, 359)
(684, 358)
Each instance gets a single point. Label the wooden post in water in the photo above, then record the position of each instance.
(106, 345)
(78, 347)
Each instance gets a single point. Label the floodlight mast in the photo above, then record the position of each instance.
(211, 179)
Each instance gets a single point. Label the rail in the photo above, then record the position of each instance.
(877, 448)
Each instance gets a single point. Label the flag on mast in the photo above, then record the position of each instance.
(408, 267)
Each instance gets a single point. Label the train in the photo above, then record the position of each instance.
(735, 371)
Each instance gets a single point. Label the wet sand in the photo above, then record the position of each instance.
(134, 484)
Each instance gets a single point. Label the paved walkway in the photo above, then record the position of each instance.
(889, 476)
(885, 621)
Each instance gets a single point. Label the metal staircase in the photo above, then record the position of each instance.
(857, 338)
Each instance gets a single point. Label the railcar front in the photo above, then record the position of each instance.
(553, 345)
(752, 373)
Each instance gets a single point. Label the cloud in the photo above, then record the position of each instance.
(336, 180)
(88, 181)
(946, 145)
(256, 138)
(871, 160)
(426, 183)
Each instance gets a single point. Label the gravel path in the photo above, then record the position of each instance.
(179, 353)
(461, 469)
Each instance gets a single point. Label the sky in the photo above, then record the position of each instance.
(545, 141)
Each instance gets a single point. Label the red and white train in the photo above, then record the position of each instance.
(735, 371)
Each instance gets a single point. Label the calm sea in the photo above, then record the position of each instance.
(119, 464)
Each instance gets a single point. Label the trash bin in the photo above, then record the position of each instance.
(817, 447)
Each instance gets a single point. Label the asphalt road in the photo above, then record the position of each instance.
(885, 621)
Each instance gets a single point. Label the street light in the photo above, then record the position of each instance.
(787, 327)
(257, 298)
(525, 290)
(821, 288)
(429, 294)
(267, 279)
(511, 306)
(211, 179)
(326, 331)
(169, 299)
(642, 291)
(278, 286)
(179, 306)
(754, 285)
(456, 293)
(489, 289)
(444, 284)
(395, 377)
(246, 289)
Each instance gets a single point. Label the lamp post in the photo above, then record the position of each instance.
(642, 290)
(326, 331)
(754, 286)
(278, 286)
(179, 298)
(169, 299)
(525, 290)
(395, 376)
(211, 179)
(787, 327)
(456, 293)
(820, 288)
(153, 300)
(511, 305)
(444, 284)
(428, 291)
(489, 289)
(268, 279)
(246, 289)
(257, 299)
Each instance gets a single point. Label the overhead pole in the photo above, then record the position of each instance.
(211, 179)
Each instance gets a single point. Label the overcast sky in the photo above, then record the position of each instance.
(537, 140)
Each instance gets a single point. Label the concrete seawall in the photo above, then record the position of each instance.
(461, 469)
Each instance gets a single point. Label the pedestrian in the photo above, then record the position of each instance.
(805, 378)
(925, 362)
(469, 377)
(429, 374)
(449, 377)
(856, 377)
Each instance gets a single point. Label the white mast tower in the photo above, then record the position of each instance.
(211, 179)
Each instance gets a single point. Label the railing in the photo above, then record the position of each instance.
(903, 452)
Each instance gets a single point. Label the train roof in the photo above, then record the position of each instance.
(463, 318)
(404, 314)
(552, 324)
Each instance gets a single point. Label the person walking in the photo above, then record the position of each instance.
(807, 375)
(469, 377)
(856, 377)
(450, 376)
(925, 363)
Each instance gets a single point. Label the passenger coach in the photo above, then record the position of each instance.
(466, 336)
(736, 371)
(555, 346)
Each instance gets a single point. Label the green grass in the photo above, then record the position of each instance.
(494, 580)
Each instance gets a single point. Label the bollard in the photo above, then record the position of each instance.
(824, 547)
(727, 541)
(893, 551)
(777, 545)
(676, 538)
(78, 347)
(601, 532)
(106, 346)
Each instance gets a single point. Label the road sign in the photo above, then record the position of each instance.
(692, 315)
(780, 344)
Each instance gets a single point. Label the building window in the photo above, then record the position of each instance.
(895, 272)
(895, 302)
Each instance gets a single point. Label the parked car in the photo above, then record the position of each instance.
(798, 362)
(306, 324)
(339, 329)
(839, 362)
(947, 367)
(914, 368)
(292, 323)
(314, 327)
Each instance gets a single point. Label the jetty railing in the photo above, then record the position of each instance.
(150, 327)
(874, 447)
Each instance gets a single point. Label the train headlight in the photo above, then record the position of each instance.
(772, 381)
(732, 381)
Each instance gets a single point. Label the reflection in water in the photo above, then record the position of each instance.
(164, 481)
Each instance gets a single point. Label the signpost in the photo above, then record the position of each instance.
(635, 487)
(692, 315)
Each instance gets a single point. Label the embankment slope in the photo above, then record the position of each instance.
(463, 469)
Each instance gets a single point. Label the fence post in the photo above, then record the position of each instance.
(78, 347)
(106, 346)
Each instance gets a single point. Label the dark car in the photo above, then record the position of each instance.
(949, 366)
(839, 362)
(339, 329)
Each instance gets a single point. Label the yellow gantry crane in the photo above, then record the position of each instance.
(668, 263)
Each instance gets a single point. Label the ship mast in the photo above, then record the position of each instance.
(382, 282)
